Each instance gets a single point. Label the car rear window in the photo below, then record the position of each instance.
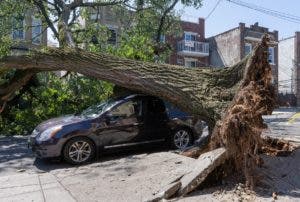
(174, 112)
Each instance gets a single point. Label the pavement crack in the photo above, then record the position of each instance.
(65, 188)
(41, 187)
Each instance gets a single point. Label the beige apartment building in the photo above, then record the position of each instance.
(29, 33)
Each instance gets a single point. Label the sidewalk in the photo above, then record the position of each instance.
(33, 187)
(134, 177)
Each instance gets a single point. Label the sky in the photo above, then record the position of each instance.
(228, 15)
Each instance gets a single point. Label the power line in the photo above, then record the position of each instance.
(214, 8)
(281, 15)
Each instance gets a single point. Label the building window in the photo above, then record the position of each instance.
(36, 30)
(179, 61)
(112, 36)
(271, 55)
(248, 48)
(18, 32)
(162, 38)
(190, 36)
(95, 16)
(190, 62)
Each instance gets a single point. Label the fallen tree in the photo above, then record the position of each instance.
(204, 92)
(231, 100)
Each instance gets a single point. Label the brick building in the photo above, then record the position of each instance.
(233, 45)
(289, 70)
(190, 49)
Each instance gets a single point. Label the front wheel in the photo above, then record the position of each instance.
(181, 139)
(79, 150)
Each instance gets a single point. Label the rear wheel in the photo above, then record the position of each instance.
(181, 138)
(79, 150)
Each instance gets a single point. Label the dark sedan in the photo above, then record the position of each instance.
(130, 120)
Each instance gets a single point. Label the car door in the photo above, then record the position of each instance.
(121, 123)
(155, 120)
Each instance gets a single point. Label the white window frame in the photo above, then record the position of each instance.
(35, 36)
(180, 61)
(249, 45)
(191, 34)
(24, 31)
(187, 60)
(272, 60)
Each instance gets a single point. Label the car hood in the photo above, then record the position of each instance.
(64, 120)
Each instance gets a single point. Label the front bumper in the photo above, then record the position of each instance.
(43, 150)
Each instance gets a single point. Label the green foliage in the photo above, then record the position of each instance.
(11, 12)
(54, 97)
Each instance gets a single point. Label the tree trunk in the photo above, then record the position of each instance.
(203, 92)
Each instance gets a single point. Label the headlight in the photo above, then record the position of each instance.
(48, 134)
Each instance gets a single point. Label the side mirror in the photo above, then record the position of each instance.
(110, 118)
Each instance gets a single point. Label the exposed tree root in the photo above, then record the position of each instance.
(277, 147)
(195, 152)
(240, 129)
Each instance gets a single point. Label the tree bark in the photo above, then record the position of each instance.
(8, 90)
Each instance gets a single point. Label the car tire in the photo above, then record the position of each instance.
(181, 138)
(79, 150)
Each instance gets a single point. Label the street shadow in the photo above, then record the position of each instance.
(14, 154)
(129, 154)
(13, 148)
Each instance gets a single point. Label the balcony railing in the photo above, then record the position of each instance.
(193, 48)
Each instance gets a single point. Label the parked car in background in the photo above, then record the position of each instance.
(126, 121)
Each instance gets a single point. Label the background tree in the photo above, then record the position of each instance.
(146, 21)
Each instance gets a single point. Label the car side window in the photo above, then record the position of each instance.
(127, 109)
(124, 110)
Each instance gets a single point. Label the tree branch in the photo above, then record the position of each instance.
(8, 90)
(43, 11)
(74, 17)
(162, 20)
(81, 3)
(60, 3)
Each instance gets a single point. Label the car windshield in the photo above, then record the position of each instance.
(96, 110)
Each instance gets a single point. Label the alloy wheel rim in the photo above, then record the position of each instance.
(181, 139)
(80, 151)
